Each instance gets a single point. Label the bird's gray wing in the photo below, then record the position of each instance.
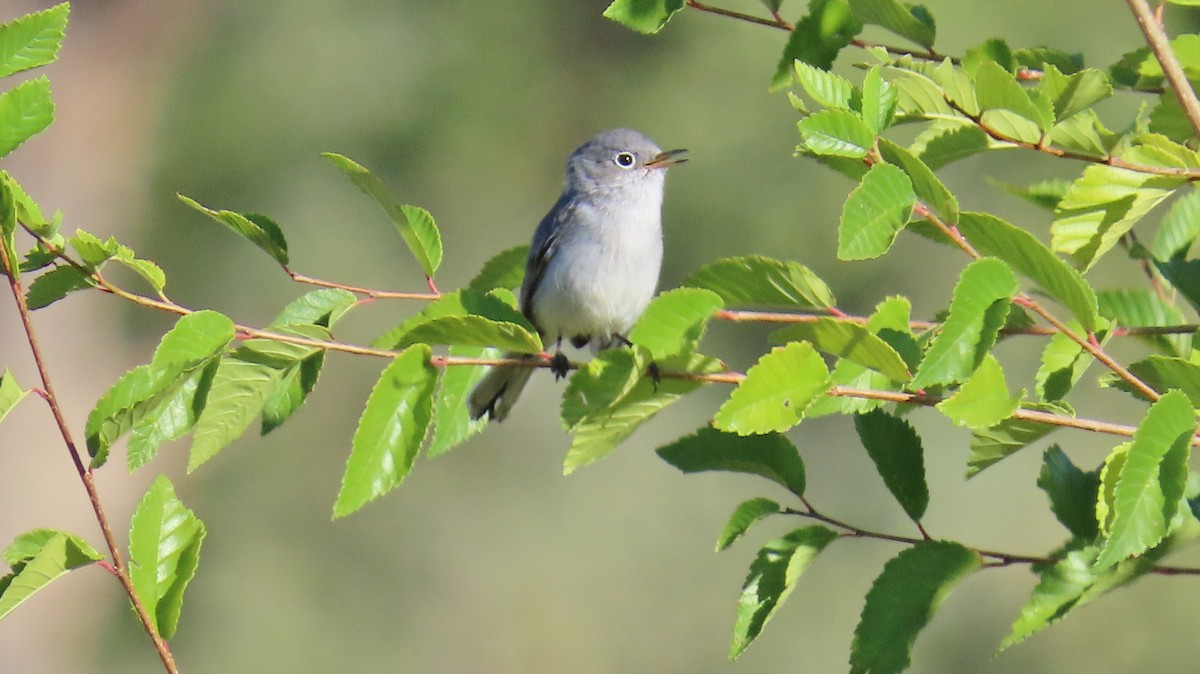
(541, 251)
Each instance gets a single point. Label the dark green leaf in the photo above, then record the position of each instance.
(902, 600)
(1163, 373)
(390, 431)
(896, 449)
(1184, 275)
(32, 40)
(1179, 228)
(1045, 193)
(875, 212)
(990, 445)
(745, 515)
(25, 110)
(1142, 307)
(1072, 493)
(54, 285)
(817, 38)
(260, 231)
(907, 21)
(771, 455)
(773, 575)
(414, 224)
(1063, 362)
(995, 50)
(164, 551)
(776, 391)
(643, 16)
(759, 281)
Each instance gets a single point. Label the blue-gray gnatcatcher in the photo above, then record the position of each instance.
(594, 263)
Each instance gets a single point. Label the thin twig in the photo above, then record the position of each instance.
(117, 567)
(1160, 44)
(359, 290)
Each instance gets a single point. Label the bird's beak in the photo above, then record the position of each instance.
(665, 159)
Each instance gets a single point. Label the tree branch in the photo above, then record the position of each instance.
(1160, 44)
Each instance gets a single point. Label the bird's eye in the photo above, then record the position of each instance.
(624, 159)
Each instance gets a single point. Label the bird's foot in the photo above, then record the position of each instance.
(654, 373)
(559, 365)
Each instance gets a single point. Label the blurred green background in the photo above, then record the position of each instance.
(488, 559)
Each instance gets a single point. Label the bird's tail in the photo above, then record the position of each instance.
(499, 389)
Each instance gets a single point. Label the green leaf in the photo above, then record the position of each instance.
(170, 416)
(25, 110)
(997, 89)
(38, 558)
(771, 456)
(54, 285)
(675, 321)
(983, 400)
(463, 303)
(920, 97)
(295, 385)
(390, 431)
(452, 422)
(773, 575)
(874, 213)
(895, 447)
(643, 16)
(1184, 275)
(1038, 57)
(1072, 493)
(259, 230)
(239, 390)
(995, 50)
(1074, 93)
(977, 311)
(925, 184)
(414, 224)
(1179, 228)
(1162, 373)
(990, 445)
(850, 341)
(1028, 256)
(743, 517)
(817, 38)
(506, 269)
(1150, 486)
(1044, 193)
(473, 331)
(879, 101)
(164, 551)
(1142, 307)
(1063, 362)
(947, 142)
(838, 133)
(775, 392)
(761, 281)
(901, 601)
(319, 307)
(32, 40)
(606, 401)
(827, 89)
(11, 393)
(907, 21)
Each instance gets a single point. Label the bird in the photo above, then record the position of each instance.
(594, 260)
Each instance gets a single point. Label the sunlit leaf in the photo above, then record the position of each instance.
(983, 399)
(505, 269)
(164, 551)
(850, 341)
(907, 21)
(775, 392)
(761, 281)
(32, 40)
(11, 393)
(37, 559)
(643, 16)
(875, 212)
(839, 133)
(25, 110)
(675, 321)
(259, 230)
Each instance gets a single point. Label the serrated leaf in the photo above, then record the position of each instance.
(773, 575)
(1074, 93)
(1044, 193)
(643, 16)
(239, 390)
(170, 416)
(1037, 57)
(505, 269)
(907, 21)
(879, 101)
(918, 95)
(902, 600)
(775, 392)
(295, 385)
(1179, 228)
(32, 40)
(164, 551)
(452, 422)
(38, 558)
(850, 341)
(896, 449)
(942, 144)
(1150, 487)
(925, 184)
(1138, 308)
(771, 456)
(1162, 374)
(743, 517)
(390, 431)
(11, 393)
(414, 224)
(995, 50)
(817, 38)
(1083, 133)
(608, 408)
(54, 285)
(324, 306)
(674, 322)
(977, 311)
(1063, 362)
(25, 110)
(990, 445)
(983, 400)
(462, 303)
(874, 213)
(826, 88)
(761, 281)
(1184, 275)
(259, 230)
(838, 133)
(1072, 493)
(1028, 256)
(997, 89)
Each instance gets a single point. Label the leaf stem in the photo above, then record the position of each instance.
(117, 567)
